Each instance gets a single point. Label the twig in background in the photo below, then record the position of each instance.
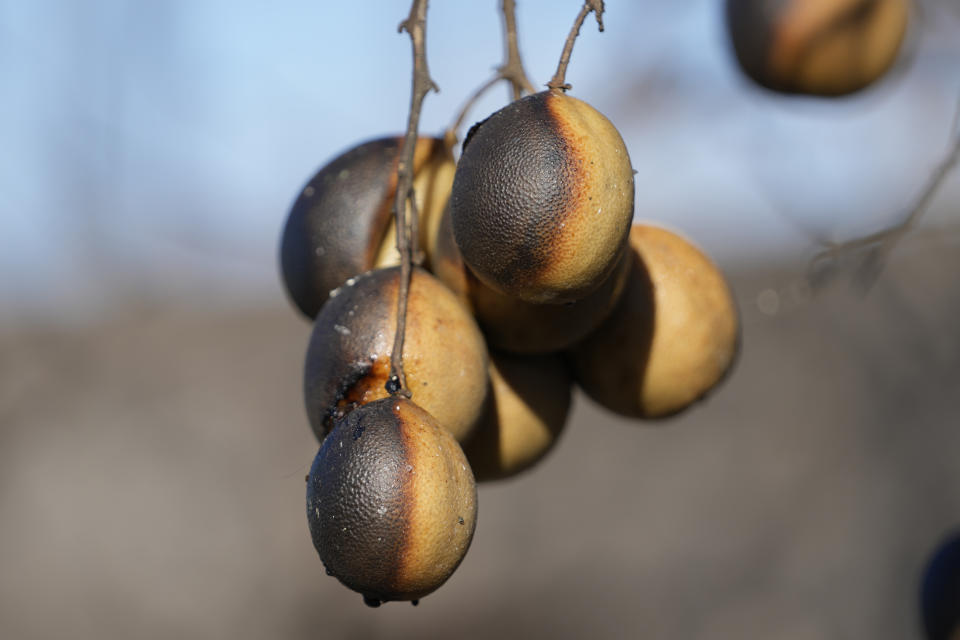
(872, 251)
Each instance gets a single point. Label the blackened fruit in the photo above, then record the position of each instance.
(671, 339)
(516, 326)
(391, 502)
(348, 359)
(817, 47)
(940, 591)
(342, 222)
(526, 412)
(543, 198)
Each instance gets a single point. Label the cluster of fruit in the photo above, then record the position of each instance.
(537, 280)
(817, 47)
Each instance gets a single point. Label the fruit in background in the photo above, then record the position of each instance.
(672, 337)
(516, 326)
(348, 358)
(391, 502)
(940, 591)
(542, 199)
(342, 222)
(526, 412)
(817, 47)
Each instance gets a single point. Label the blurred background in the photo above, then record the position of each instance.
(153, 442)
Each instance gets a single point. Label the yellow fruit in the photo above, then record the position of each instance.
(348, 359)
(672, 337)
(526, 413)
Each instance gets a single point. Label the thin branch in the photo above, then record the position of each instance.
(559, 78)
(878, 246)
(451, 134)
(416, 26)
(511, 70)
(413, 229)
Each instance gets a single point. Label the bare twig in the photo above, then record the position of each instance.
(451, 134)
(512, 71)
(559, 78)
(876, 247)
(416, 26)
(413, 229)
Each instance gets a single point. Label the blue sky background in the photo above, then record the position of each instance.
(152, 149)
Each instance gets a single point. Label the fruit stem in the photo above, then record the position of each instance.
(416, 26)
(558, 82)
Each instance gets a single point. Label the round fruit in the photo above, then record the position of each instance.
(940, 592)
(516, 326)
(818, 47)
(543, 198)
(672, 337)
(348, 359)
(342, 223)
(391, 502)
(526, 412)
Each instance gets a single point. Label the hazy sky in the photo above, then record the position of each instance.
(155, 147)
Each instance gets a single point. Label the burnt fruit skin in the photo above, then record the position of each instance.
(391, 502)
(337, 226)
(348, 357)
(542, 199)
(516, 326)
(816, 47)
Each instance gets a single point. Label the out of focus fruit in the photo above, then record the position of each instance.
(672, 337)
(817, 47)
(526, 413)
(940, 591)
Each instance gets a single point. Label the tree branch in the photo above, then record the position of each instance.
(511, 70)
(878, 246)
(416, 26)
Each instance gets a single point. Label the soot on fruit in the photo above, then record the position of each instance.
(342, 222)
(542, 199)
(517, 326)
(391, 502)
(348, 357)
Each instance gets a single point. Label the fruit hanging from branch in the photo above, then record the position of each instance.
(543, 198)
(342, 222)
(529, 240)
(391, 502)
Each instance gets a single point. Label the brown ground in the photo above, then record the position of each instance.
(152, 485)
